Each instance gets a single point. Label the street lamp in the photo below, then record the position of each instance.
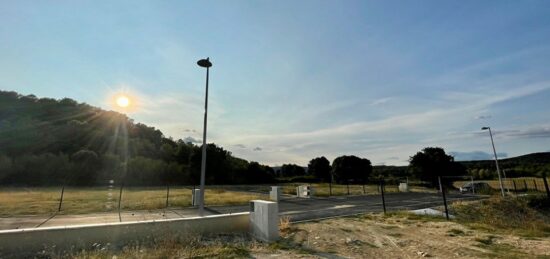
(204, 63)
(496, 159)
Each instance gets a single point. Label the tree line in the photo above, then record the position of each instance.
(44, 141)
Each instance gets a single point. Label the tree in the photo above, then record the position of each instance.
(86, 164)
(351, 168)
(217, 164)
(320, 168)
(432, 162)
(257, 173)
(290, 170)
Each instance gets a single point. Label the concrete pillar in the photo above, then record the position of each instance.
(264, 220)
(275, 193)
(195, 196)
(403, 187)
(304, 191)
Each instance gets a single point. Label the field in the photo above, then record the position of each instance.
(40, 201)
(323, 189)
(45, 200)
(521, 184)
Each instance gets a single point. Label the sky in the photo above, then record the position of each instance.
(295, 80)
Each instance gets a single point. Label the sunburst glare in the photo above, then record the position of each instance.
(123, 101)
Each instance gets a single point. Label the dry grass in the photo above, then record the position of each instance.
(532, 183)
(284, 224)
(510, 215)
(39, 201)
(221, 246)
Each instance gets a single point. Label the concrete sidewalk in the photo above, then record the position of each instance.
(94, 218)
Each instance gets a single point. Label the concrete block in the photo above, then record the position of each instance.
(403, 187)
(195, 197)
(305, 191)
(275, 193)
(264, 220)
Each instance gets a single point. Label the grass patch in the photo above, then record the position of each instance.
(45, 200)
(456, 232)
(509, 215)
(488, 240)
(501, 250)
(290, 245)
(414, 217)
(221, 246)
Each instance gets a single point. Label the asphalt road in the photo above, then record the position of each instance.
(298, 209)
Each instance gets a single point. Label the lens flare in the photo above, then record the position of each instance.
(123, 101)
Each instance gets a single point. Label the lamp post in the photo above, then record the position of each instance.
(496, 159)
(207, 64)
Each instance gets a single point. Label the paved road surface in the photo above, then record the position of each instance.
(297, 209)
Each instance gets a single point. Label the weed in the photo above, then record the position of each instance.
(488, 240)
(284, 224)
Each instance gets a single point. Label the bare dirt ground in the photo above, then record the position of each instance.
(399, 236)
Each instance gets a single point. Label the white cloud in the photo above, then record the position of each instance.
(380, 101)
(192, 140)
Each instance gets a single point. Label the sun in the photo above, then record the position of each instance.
(122, 101)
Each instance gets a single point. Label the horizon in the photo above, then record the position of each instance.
(294, 81)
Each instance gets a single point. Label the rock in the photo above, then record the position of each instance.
(423, 254)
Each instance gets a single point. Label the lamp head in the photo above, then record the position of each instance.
(204, 63)
(485, 128)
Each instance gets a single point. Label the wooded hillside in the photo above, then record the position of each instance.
(44, 141)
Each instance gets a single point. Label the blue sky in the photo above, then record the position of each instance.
(293, 80)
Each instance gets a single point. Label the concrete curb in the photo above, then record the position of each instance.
(25, 241)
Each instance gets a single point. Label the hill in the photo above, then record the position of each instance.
(526, 165)
(45, 141)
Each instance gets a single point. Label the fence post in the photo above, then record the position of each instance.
(473, 185)
(61, 199)
(525, 185)
(382, 193)
(119, 201)
(444, 198)
(167, 194)
(535, 183)
(347, 183)
(515, 187)
(330, 187)
(546, 184)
